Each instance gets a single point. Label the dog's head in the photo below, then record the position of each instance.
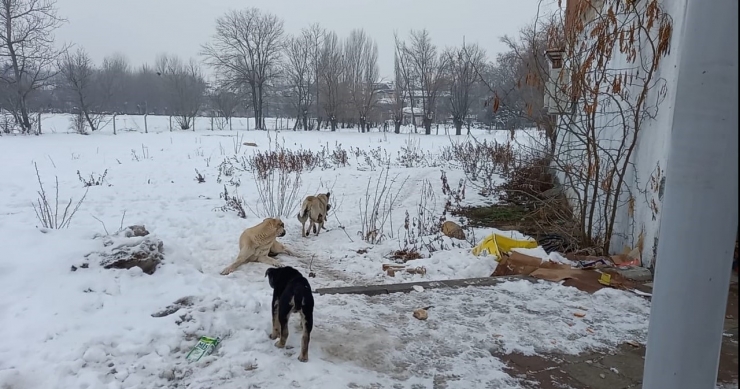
(326, 198)
(270, 274)
(276, 225)
(273, 274)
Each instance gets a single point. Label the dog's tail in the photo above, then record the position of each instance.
(303, 213)
(302, 296)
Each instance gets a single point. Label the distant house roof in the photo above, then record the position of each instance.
(415, 111)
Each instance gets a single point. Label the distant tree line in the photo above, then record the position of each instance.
(315, 76)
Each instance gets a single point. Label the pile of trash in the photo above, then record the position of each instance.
(586, 272)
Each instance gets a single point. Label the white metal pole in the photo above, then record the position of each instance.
(700, 207)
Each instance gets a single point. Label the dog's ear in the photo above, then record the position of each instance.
(327, 195)
(328, 206)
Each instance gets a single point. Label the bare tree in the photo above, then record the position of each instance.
(462, 76)
(225, 101)
(246, 50)
(400, 91)
(403, 75)
(184, 85)
(27, 52)
(316, 35)
(429, 67)
(332, 77)
(362, 73)
(115, 74)
(80, 79)
(299, 74)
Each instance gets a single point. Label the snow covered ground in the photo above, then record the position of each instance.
(92, 328)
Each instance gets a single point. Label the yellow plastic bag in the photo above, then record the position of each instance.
(496, 244)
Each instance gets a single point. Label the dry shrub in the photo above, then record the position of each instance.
(376, 207)
(526, 182)
(278, 193)
(482, 162)
(406, 254)
(48, 214)
(232, 203)
(290, 161)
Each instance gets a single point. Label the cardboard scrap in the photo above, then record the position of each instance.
(517, 263)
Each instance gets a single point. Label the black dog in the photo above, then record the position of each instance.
(291, 293)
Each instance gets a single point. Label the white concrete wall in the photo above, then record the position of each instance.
(650, 154)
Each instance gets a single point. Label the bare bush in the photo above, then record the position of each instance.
(232, 204)
(199, 178)
(279, 193)
(422, 232)
(482, 162)
(93, 179)
(48, 213)
(413, 155)
(454, 197)
(376, 207)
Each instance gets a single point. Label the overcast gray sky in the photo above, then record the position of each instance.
(140, 29)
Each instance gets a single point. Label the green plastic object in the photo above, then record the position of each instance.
(205, 346)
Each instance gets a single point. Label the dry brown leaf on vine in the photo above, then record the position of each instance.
(496, 103)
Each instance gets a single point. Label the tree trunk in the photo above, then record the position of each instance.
(458, 126)
(333, 124)
(427, 126)
(255, 107)
(397, 126)
(89, 121)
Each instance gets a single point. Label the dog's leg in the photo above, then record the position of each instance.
(307, 325)
(283, 316)
(275, 323)
(245, 255)
(268, 260)
(321, 225)
(304, 233)
(278, 248)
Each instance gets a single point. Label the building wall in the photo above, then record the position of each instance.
(650, 156)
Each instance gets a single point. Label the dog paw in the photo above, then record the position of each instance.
(226, 272)
(303, 358)
(279, 344)
(273, 336)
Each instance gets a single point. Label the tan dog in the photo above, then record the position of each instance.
(258, 242)
(314, 208)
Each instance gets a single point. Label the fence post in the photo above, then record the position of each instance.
(38, 119)
(211, 123)
(146, 127)
(170, 123)
(114, 124)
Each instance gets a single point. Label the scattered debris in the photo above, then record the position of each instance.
(497, 245)
(174, 307)
(406, 254)
(579, 314)
(204, 347)
(632, 343)
(252, 144)
(418, 288)
(391, 269)
(421, 313)
(453, 230)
